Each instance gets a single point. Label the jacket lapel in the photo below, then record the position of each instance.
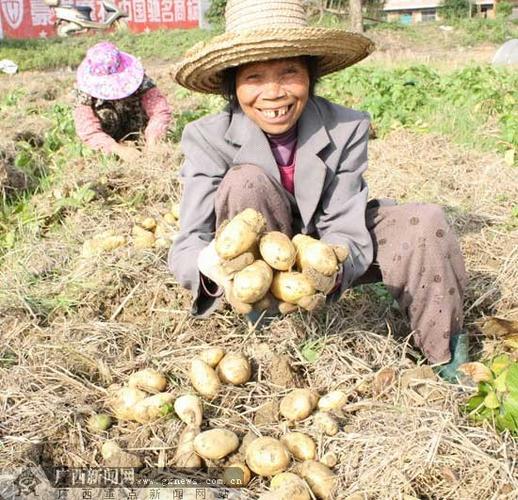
(255, 148)
(310, 170)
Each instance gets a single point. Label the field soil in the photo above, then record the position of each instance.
(71, 326)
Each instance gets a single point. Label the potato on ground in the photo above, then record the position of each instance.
(189, 409)
(123, 401)
(291, 286)
(216, 443)
(320, 478)
(300, 445)
(288, 486)
(234, 369)
(115, 456)
(153, 408)
(334, 400)
(326, 423)
(204, 378)
(148, 380)
(185, 455)
(298, 404)
(267, 456)
(236, 475)
(253, 282)
(240, 234)
(277, 250)
(212, 356)
(315, 254)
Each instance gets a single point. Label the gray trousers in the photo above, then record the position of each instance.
(416, 253)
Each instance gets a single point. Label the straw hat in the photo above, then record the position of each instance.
(259, 30)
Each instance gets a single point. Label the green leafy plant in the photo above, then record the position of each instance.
(497, 396)
(456, 9)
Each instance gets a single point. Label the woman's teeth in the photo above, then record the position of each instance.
(275, 113)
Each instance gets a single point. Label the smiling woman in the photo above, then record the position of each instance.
(299, 160)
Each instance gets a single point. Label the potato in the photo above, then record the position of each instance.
(216, 443)
(236, 475)
(300, 445)
(334, 400)
(175, 210)
(162, 243)
(267, 456)
(291, 286)
(189, 409)
(298, 404)
(101, 243)
(281, 480)
(240, 234)
(148, 380)
(204, 378)
(277, 250)
(148, 223)
(185, 455)
(234, 369)
(315, 254)
(320, 478)
(212, 356)
(170, 219)
(99, 423)
(152, 408)
(116, 457)
(252, 282)
(124, 400)
(329, 459)
(142, 238)
(326, 423)
(163, 231)
(289, 486)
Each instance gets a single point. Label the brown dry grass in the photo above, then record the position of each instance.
(72, 326)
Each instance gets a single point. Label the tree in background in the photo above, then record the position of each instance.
(356, 15)
(456, 9)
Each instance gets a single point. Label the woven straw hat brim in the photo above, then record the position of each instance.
(201, 68)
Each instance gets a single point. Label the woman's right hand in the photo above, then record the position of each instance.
(126, 153)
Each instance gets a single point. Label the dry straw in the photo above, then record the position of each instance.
(265, 30)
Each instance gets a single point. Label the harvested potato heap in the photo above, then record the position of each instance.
(294, 271)
(148, 233)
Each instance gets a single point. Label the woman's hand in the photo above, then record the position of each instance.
(126, 153)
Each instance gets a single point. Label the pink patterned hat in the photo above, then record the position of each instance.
(107, 73)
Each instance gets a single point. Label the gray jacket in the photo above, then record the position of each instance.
(330, 191)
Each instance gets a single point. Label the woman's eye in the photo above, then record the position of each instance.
(251, 77)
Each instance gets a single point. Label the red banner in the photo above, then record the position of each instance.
(34, 19)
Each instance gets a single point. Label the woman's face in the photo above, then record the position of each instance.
(273, 94)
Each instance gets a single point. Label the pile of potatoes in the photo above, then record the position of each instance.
(214, 367)
(148, 233)
(279, 262)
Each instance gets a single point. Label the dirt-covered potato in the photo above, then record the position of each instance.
(315, 254)
(329, 459)
(216, 443)
(333, 400)
(300, 445)
(326, 423)
(185, 455)
(204, 378)
(298, 404)
(142, 238)
(189, 409)
(320, 478)
(115, 456)
(104, 242)
(148, 380)
(240, 234)
(99, 422)
(277, 250)
(289, 486)
(212, 356)
(236, 475)
(123, 401)
(291, 286)
(267, 456)
(148, 223)
(234, 369)
(253, 282)
(153, 407)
